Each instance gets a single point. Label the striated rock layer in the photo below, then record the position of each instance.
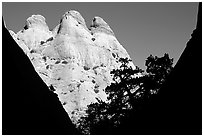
(74, 61)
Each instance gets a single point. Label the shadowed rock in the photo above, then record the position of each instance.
(177, 108)
(28, 106)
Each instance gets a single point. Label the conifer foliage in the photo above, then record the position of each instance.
(131, 88)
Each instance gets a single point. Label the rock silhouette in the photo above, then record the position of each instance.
(177, 108)
(28, 106)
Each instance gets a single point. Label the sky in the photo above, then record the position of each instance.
(142, 28)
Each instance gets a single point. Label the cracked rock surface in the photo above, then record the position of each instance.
(74, 61)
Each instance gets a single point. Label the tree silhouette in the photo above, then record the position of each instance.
(157, 71)
(131, 88)
(122, 93)
(97, 112)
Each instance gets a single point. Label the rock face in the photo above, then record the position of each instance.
(28, 106)
(74, 61)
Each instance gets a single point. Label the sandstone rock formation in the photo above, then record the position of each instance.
(74, 61)
(28, 106)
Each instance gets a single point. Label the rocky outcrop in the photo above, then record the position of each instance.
(74, 61)
(28, 106)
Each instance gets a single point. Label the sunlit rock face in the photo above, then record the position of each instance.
(74, 61)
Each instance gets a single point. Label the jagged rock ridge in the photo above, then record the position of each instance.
(74, 61)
